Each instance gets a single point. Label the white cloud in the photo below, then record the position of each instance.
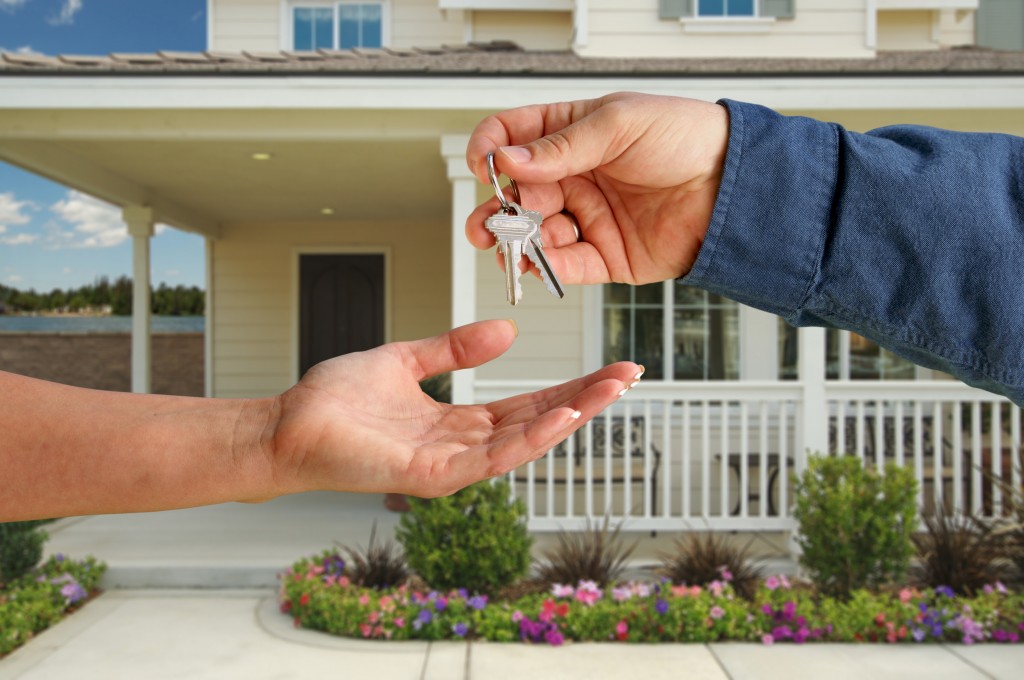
(67, 13)
(11, 5)
(15, 278)
(95, 224)
(19, 239)
(12, 211)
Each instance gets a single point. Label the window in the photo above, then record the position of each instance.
(675, 331)
(726, 8)
(341, 25)
(848, 356)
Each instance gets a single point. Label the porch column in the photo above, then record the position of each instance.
(812, 376)
(140, 226)
(453, 148)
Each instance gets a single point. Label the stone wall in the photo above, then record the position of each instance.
(103, 360)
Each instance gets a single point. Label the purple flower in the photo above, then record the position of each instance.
(73, 592)
(440, 604)
(944, 590)
(460, 629)
(554, 637)
(425, 616)
(478, 602)
(661, 606)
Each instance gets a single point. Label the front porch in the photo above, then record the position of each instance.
(719, 456)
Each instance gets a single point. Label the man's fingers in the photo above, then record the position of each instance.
(463, 347)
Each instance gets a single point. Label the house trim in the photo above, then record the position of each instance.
(293, 297)
(489, 94)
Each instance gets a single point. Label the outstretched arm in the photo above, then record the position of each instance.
(358, 422)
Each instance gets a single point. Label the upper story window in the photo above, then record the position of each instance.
(677, 332)
(726, 8)
(340, 25)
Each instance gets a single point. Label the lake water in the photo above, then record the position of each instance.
(97, 324)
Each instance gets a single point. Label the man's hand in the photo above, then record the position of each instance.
(640, 173)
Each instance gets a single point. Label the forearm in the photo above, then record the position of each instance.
(71, 451)
(910, 236)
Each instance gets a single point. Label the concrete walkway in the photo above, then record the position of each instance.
(191, 595)
(193, 634)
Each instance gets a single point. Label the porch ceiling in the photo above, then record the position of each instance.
(197, 185)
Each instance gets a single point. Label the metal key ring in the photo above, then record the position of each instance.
(492, 174)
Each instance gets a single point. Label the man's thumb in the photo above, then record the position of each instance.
(573, 150)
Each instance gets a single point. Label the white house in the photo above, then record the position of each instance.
(318, 146)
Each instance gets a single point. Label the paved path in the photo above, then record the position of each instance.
(227, 634)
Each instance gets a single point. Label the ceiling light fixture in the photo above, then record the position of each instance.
(326, 211)
(261, 156)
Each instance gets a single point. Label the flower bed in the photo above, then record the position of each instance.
(320, 596)
(36, 601)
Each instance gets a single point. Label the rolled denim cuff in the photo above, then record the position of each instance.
(764, 245)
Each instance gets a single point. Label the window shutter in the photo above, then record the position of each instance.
(675, 9)
(780, 9)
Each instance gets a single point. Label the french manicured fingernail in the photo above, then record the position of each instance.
(576, 415)
(623, 391)
(517, 154)
(642, 371)
(634, 383)
(515, 326)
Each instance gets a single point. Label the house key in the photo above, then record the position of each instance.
(517, 231)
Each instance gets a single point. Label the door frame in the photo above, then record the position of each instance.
(296, 285)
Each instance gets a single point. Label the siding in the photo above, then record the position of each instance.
(550, 342)
(245, 25)
(532, 30)
(916, 30)
(821, 28)
(254, 296)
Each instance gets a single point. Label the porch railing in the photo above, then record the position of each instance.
(719, 455)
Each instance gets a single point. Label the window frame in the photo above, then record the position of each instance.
(725, 16)
(594, 301)
(288, 8)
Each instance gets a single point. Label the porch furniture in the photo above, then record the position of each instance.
(753, 463)
(607, 466)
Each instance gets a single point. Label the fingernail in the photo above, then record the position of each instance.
(634, 383)
(517, 154)
(642, 371)
(623, 391)
(576, 415)
(515, 327)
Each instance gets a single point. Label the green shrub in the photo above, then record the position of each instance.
(855, 525)
(21, 548)
(475, 539)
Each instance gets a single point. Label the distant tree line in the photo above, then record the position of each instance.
(105, 296)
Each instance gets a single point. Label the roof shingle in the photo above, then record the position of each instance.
(502, 58)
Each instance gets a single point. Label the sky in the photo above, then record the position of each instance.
(52, 236)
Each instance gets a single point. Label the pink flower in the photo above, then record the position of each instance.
(344, 582)
(517, 616)
(784, 581)
(717, 612)
(364, 600)
(621, 630)
(695, 591)
(771, 583)
(716, 588)
(588, 593)
(558, 590)
(400, 622)
(906, 595)
(726, 574)
(680, 591)
(374, 617)
(621, 594)
(365, 629)
(767, 639)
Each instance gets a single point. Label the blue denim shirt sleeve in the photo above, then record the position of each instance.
(908, 235)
